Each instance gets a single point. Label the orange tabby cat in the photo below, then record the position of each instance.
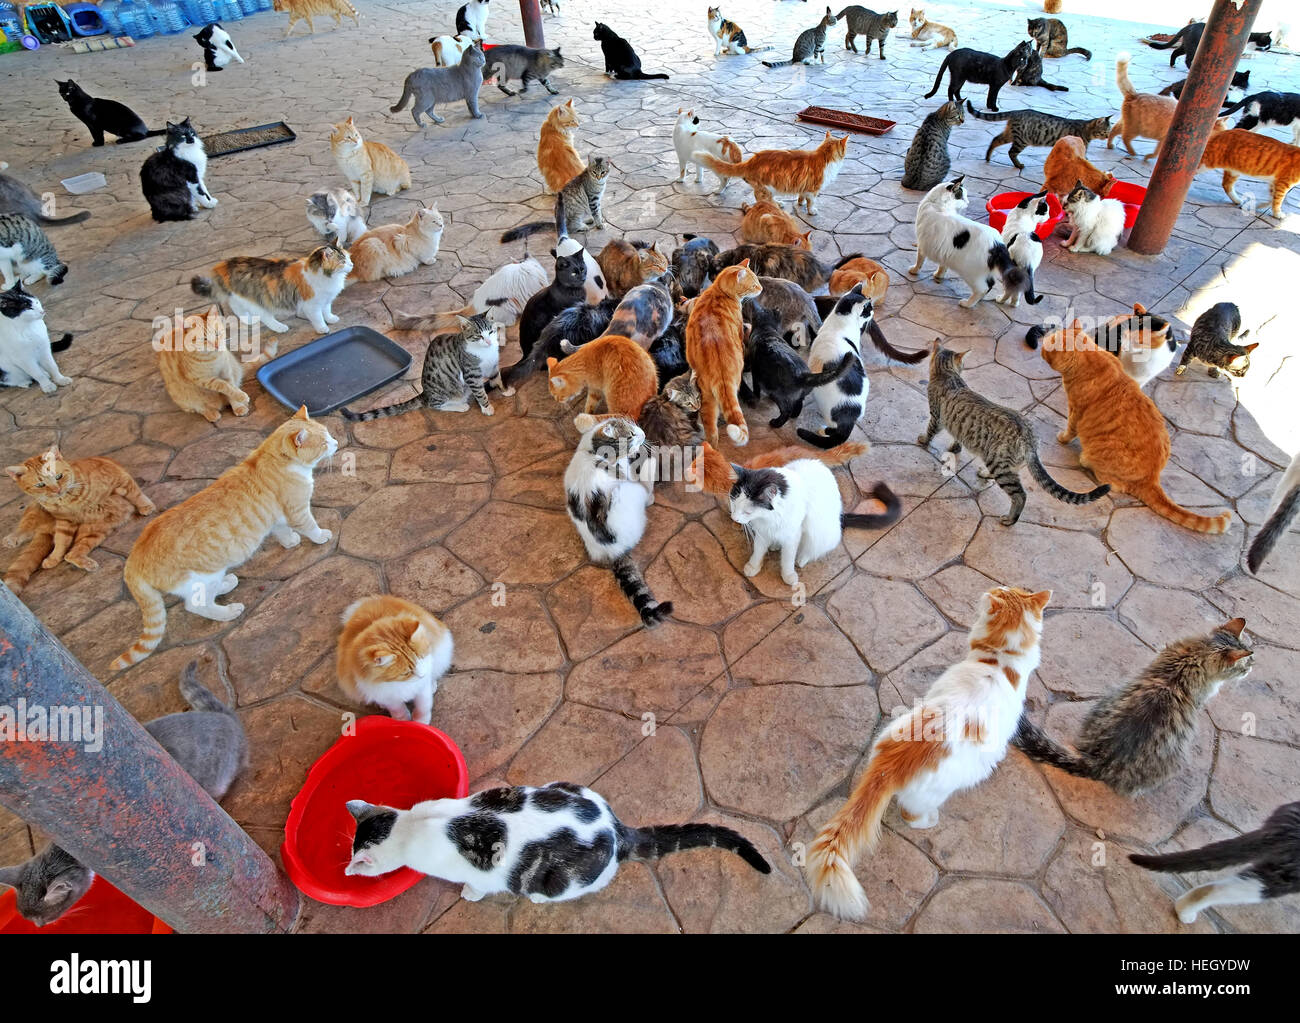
(1238, 152)
(390, 652)
(557, 159)
(77, 504)
(1142, 114)
(201, 373)
(396, 249)
(190, 548)
(612, 366)
(715, 349)
(367, 166)
(712, 470)
(626, 265)
(798, 172)
(305, 10)
(767, 221)
(873, 277)
(1066, 165)
(1123, 440)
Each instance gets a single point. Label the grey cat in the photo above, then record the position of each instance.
(15, 197)
(692, 263)
(524, 63)
(432, 85)
(794, 308)
(1001, 438)
(577, 206)
(809, 46)
(452, 363)
(1213, 342)
(864, 22)
(927, 161)
(1138, 734)
(26, 253)
(208, 742)
(1033, 128)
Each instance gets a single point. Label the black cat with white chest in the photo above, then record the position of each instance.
(172, 178)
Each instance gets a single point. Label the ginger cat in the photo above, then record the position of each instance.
(190, 548)
(873, 277)
(1238, 152)
(798, 172)
(1066, 165)
(628, 264)
(200, 372)
(367, 166)
(1144, 115)
(712, 470)
(715, 350)
(557, 158)
(392, 652)
(76, 505)
(767, 221)
(305, 10)
(1123, 440)
(396, 249)
(613, 367)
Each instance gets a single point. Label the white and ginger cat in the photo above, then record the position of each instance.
(257, 289)
(336, 216)
(200, 371)
(368, 166)
(391, 653)
(689, 138)
(396, 249)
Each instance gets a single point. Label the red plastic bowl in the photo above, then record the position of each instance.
(997, 210)
(393, 763)
(1131, 196)
(102, 910)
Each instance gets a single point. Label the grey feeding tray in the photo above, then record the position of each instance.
(242, 139)
(334, 370)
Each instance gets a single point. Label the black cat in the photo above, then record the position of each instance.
(777, 370)
(104, 115)
(1240, 80)
(621, 60)
(576, 324)
(1184, 43)
(568, 289)
(1032, 74)
(968, 65)
(172, 178)
(669, 351)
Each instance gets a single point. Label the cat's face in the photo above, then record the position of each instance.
(345, 135)
(1240, 363)
(570, 264)
(47, 475)
(601, 31)
(890, 20)
(305, 440)
(69, 89)
(566, 116)
(684, 391)
(428, 220)
(1020, 55)
(612, 442)
(754, 493)
(1098, 128)
(182, 134)
(953, 113)
(654, 264)
(47, 885)
(329, 260)
(17, 304)
(391, 648)
(715, 13)
(917, 17)
(1010, 619)
(739, 281)
(372, 853)
(480, 333)
(1231, 657)
(1035, 26)
(473, 57)
(204, 334)
(1080, 195)
(598, 167)
(1149, 331)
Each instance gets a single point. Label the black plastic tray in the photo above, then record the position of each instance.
(334, 370)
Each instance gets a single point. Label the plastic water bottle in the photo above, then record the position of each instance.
(228, 10)
(135, 19)
(265, 5)
(249, 7)
(9, 21)
(168, 17)
(108, 13)
(200, 12)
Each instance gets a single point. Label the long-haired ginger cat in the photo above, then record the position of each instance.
(557, 158)
(613, 367)
(873, 277)
(200, 371)
(189, 549)
(392, 653)
(1238, 152)
(798, 172)
(368, 166)
(396, 249)
(1123, 440)
(767, 222)
(715, 350)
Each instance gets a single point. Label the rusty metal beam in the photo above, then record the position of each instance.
(531, 13)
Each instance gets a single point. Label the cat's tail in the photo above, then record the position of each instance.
(720, 167)
(810, 379)
(1037, 745)
(633, 585)
(1214, 856)
(664, 839)
(939, 77)
(75, 218)
(1000, 116)
(1055, 489)
(154, 613)
(388, 410)
(897, 354)
(1087, 54)
(777, 63)
(527, 230)
(1163, 46)
(1277, 524)
(1054, 88)
(407, 93)
(1154, 497)
(436, 323)
(893, 509)
(62, 344)
(1121, 74)
(832, 438)
(641, 76)
(757, 49)
(196, 694)
(1236, 106)
(1035, 334)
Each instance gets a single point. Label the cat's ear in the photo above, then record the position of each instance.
(15, 471)
(1252, 347)
(462, 320)
(1233, 656)
(301, 413)
(1039, 600)
(958, 358)
(9, 875)
(569, 104)
(357, 807)
(1139, 308)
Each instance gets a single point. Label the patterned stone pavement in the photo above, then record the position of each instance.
(761, 709)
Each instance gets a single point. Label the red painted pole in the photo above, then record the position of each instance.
(1226, 31)
(110, 795)
(531, 13)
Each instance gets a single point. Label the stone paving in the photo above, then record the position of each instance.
(762, 709)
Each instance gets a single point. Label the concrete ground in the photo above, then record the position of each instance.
(761, 710)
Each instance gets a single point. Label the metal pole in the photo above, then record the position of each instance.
(1226, 31)
(95, 780)
(531, 13)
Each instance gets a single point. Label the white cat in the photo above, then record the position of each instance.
(336, 216)
(502, 296)
(471, 20)
(689, 139)
(842, 401)
(1097, 222)
(25, 350)
(1018, 233)
(1146, 344)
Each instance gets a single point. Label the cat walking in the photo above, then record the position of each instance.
(1282, 511)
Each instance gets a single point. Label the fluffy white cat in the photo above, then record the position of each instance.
(336, 216)
(25, 350)
(1097, 222)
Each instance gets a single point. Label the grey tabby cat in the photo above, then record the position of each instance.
(809, 46)
(1138, 734)
(927, 161)
(1213, 342)
(15, 197)
(26, 254)
(1001, 438)
(864, 22)
(508, 61)
(577, 206)
(1033, 128)
(208, 742)
(453, 362)
(432, 85)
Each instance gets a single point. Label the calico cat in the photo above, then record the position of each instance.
(397, 249)
(336, 215)
(75, 505)
(873, 277)
(1097, 223)
(1138, 734)
(452, 363)
(715, 475)
(1143, 342)
(508, 61)
(1066, 166)
(367, 166)
(173, 178)
(557, 159)
(577, 205)
(689, 139)
(1185, 43)
(767, 222)
(715, 350)
(1032, 128)
(786, 261)
(927, 161)
(952, 740)
(1020, 232)
(104, 116)
(190, 548)
(1213, 342)
(390, 652)
(692, 264)
(15, 197)
(26, 353)
(799, 172)
(471, 20)
(502, 296)
(1237, 152)
(217, 46)
(1000, 437)
(1240, 80)
(795, 309)
(1282, 511)
(1052, 40)
(26, 253)
(429, 86)
(727, 36)
(843, 401)
(860, 21)
(611, 367)
(208, 742)
(643, 314)
(1032, 75)
(304, 10)
(1272, 108)
(200, 371)
(621, 61)
(1142, 114)
(447, 50)
(553, 844)
(567, 289)
(627, 264)
(777, 371)
(810, 45)
(257, 289)
(928, 34)
(967, 65)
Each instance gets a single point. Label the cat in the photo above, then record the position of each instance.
(1142, 114)
(502, 297)
(929, 34)
(860, 21)
(621, 61)
(1066, 166)
(200, 371)
(1000, 437)
(1214, 342)
(767, 222)
(392, 652)
(776, 370)
(785, 261)
(208, 742)
(336, 215)
(1122, 435)
(627, 264)
(552, 844)
(606, 499)
(367, 167)
(217, 46)
(611, 367)
(1282, 511)
(1096, 223)
(525, 63)
(727, 36)
(1052, 40)
(692, 264)
(715, 475)
(799, 172)
(689, 139)
(967, 65)
(873, 277)
(447, 50)
(257, 289)
(15, 197)
(643, 314)
(104, 116)
(1031, 74)
(471, 20)
(927, 161)
(397, 249)
(952, 740)
(303, 10)
(1143, 342)
(1020, 232)
(190, 548)
(26, 253)
(470, 358)
(809, 45)
(670, 418)
(842, 402)
(574, 326)
(567, 289)
(1033, 128)
(715, 350)
(577, 205)
(1271, 108)
(1139, 734)
(173, 177)
(1240, 80)
(75, 505)
(795, 309)
(26, 353)
(1184, 43)
(1237, 152)
(557, 158)
(428, 86)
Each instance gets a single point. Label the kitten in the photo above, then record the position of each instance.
(689, 139)
(1142, 114)
(190, 548)
(1031, 128)
(810, 44)
(304, 10)
(1138, 734)
(26, 353)
(627, 264)
(15, 197)
(1270, 108)
(843, 401)
(217, 46)
(429, 86)
(929, 34)
(453, 362)
(776, 370)
(1066, 166)
(447, 50)
(471, 20)
(953, 740)
(612, 367)
(173, 178)
(1032, 75)
(1020, 233)
(692, 265)
(927, 161)
(863, 22)
(502, 296)
(257, 289)
(577, 205)
(797, 172)
(525, 63)
(392, 652)
(1000, 437)
(785, 261)
(26, 253)
(715, 350)
(1097, 223)
(201, 373)
(336, 216)
(873, 277)
(1052, 40)
(767, 222)
(104, 116)
(367, 166)
(553, 844)
(1237, 152)
(397, 249)
(557, 158)
(621, 61)
(727, 36)
(716, 475)
(1282, 511)
(967, 65)
(1184, 43)
(795, 309)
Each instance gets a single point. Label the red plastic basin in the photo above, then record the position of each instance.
(393, 763)
(102, 910)
(998, 206)
(1131, 196)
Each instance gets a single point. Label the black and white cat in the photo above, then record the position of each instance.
(218, 48)
(554, 843)
(25, 348)
(843, 400)
(172, 177)
(1281, 109)
(471, 20)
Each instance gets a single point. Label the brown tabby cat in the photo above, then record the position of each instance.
(715, 349)
(798, 172)
(628, 264)
(1066, 165)
(767, 221)
(1239, 152)
(200, 371)
(557, 158)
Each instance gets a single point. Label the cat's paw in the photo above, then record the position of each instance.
(470, 894)
(487, 409)
(538, 898)
(212, 415)
(739, 434)
(82, 561)
(207, 202)
(242, 409)
(322, 536)
(751, 569)
(584, 421)
(790, 578)
(289, 540)
(49, 387)
(13, 540)
(506, 392)
(62, 381)
(146, 507)
(1063, 437)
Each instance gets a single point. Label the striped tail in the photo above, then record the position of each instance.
(777, 63)
(437, 323)
(388, 410)
(1214, 856)
(1154, 497)
(633, 585)
(23, 567)
(1037, 745)
(1059, 492)
(1277, 524)
(154, 612)
(664, 839)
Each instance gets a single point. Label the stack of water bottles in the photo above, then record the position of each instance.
(141, 19)
(9, 23)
